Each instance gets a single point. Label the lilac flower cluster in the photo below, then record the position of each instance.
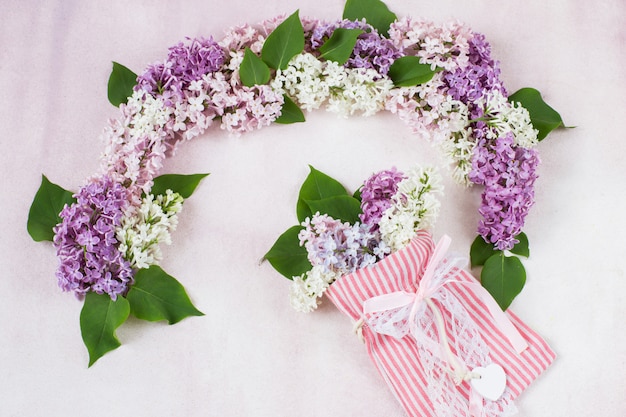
(508, 173)
(370, 51)
(376, 195)
(185, 63)
(480, 76)
(86, 244)
(340, 247)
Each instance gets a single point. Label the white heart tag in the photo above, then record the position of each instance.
(491, 383)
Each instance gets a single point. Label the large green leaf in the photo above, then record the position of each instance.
(121, 83)
(342, 207)
(253, 71)
(503, 277)
(184, 185)
(407, 72)
(99, 319)
(44, 211)
(480, 251)
(290, 113)
(287, 256)
(375, 12)
(285, 42)
(316, 186)
(340, 45)
(543, 117)
(155, 296)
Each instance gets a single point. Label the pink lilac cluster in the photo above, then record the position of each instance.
(86, 244)
(185, 63)
(508, 173)
(340, 247)
(376, 195)
(370, 51)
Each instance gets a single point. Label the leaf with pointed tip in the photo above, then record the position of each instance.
(121, 83)
(341, 207)
(375, 12)
(99, 318)
(253, 71)
(480, 251)
(287, 256)
(408, 72)
(504, 278)
(543, 117)
(340, 45)
(522, 248)
(285, 42)
(184, 185)
(290, 113)
(155, 296)
(44, 211)
(316, 186)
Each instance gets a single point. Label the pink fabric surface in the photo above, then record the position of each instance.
(251, 354)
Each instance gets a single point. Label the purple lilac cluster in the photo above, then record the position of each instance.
(508, 173)
(376, 195)
(340, 247)
(86, 244)
(480, 76)
(185, 63)
(370, 51)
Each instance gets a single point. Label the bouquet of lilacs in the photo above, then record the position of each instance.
(391, 206)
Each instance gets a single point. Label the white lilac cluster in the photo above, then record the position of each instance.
(307, 289)
(440, 45)
(135, 143)
(505, 117)
(147, 226)
(415, 206)
(312, 82)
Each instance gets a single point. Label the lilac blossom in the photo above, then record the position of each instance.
(508, 173)
(370, 51)
(340, 247)
(185, 63)
(86, 244)
(376, 195)
(479, 77)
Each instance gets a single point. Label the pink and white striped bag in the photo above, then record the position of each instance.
(476, 367)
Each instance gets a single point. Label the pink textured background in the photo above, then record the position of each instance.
(251, 355)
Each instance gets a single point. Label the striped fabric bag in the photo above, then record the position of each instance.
(437, 337)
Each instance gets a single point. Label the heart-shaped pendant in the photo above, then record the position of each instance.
(491, 382)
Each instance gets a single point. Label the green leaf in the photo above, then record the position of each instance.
(375, 12)
(341, 207)
(522, 248)
(44, 211)
(407, 72)
(155, 295)
(99, 319)
(543, 117)
(340, 45)
(287, 256)
(503, 277)
(121, 83)
(316, 186)
(290, 113)
(357, 193)
(253, 71)
(285, 42)
(184, 185)
(480, 251)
